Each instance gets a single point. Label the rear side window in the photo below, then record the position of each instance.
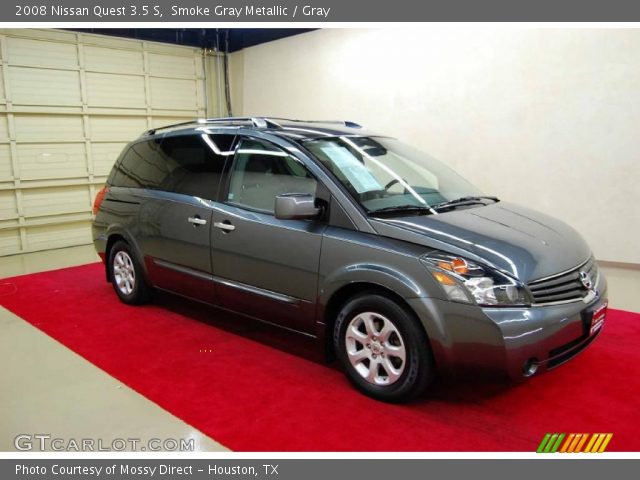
(195, 163)
(140, 167)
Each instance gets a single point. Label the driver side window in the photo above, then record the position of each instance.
(261, 171)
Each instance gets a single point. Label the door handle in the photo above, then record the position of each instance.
(196, 221)
(225, 226)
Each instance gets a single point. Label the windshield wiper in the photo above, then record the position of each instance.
(463, 201)
(403, 208)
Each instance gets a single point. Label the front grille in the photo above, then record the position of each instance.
(563, 287)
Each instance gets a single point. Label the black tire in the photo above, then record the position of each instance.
(139, 291)
(417, 370)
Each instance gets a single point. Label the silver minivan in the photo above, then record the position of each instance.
(394, 263)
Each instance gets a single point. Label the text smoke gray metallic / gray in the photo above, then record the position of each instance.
(398, 266)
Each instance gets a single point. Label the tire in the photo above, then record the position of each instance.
(127, 276)
(371, 329)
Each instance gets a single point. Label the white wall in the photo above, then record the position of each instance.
(548, 118)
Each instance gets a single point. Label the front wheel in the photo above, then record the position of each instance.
(127, 276)
(383, 349)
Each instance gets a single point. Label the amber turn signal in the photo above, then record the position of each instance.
(443, 278)
(458, 265)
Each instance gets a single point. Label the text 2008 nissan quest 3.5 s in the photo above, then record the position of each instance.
(392, 261)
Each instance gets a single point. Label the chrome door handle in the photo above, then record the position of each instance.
(196, 221)
(227, 227)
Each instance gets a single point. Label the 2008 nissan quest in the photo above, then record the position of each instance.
(391, 260)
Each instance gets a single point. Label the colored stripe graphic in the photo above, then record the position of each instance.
(550, 443)
(601, 442)
(574, 443)
(581, 443)
(596, 446)
(557, 444)
(543, 443)
(590, 444)
(567, 442)
(605, 443)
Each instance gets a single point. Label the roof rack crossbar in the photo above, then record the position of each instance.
(258, 122)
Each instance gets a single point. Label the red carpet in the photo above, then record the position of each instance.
(251, 396)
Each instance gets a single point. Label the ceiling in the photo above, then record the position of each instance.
(236, 38)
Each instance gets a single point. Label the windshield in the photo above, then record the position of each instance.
(383, 174)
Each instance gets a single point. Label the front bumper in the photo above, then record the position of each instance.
(508, 339)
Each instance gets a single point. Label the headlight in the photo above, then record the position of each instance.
(469, 282)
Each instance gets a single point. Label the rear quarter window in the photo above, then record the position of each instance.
(141, 166)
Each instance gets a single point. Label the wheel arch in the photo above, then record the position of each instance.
(115, 235)
(350, 290)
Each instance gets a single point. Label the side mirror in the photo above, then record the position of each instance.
(295, 206)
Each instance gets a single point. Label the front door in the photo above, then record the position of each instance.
(265, 267)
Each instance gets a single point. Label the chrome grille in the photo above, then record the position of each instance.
(564, 287)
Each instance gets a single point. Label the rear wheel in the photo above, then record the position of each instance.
(127, 276)
(382, 348)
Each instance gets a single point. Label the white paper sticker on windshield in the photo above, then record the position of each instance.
(358, 175)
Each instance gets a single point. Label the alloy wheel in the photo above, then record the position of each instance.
(124, 272)
(375, 348)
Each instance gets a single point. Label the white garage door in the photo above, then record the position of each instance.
(69, 102)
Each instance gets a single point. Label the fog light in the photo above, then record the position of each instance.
(530, 367)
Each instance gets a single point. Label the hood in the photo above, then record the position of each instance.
(522, 242)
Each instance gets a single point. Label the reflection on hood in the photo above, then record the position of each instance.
(524, 243)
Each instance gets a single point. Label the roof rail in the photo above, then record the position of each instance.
(258, 122)
(346, 123)
(154, 130)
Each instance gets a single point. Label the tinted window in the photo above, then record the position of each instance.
(140, 167)
(261, 171)
(195, 163)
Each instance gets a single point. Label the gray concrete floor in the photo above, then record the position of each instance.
(45, 388)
